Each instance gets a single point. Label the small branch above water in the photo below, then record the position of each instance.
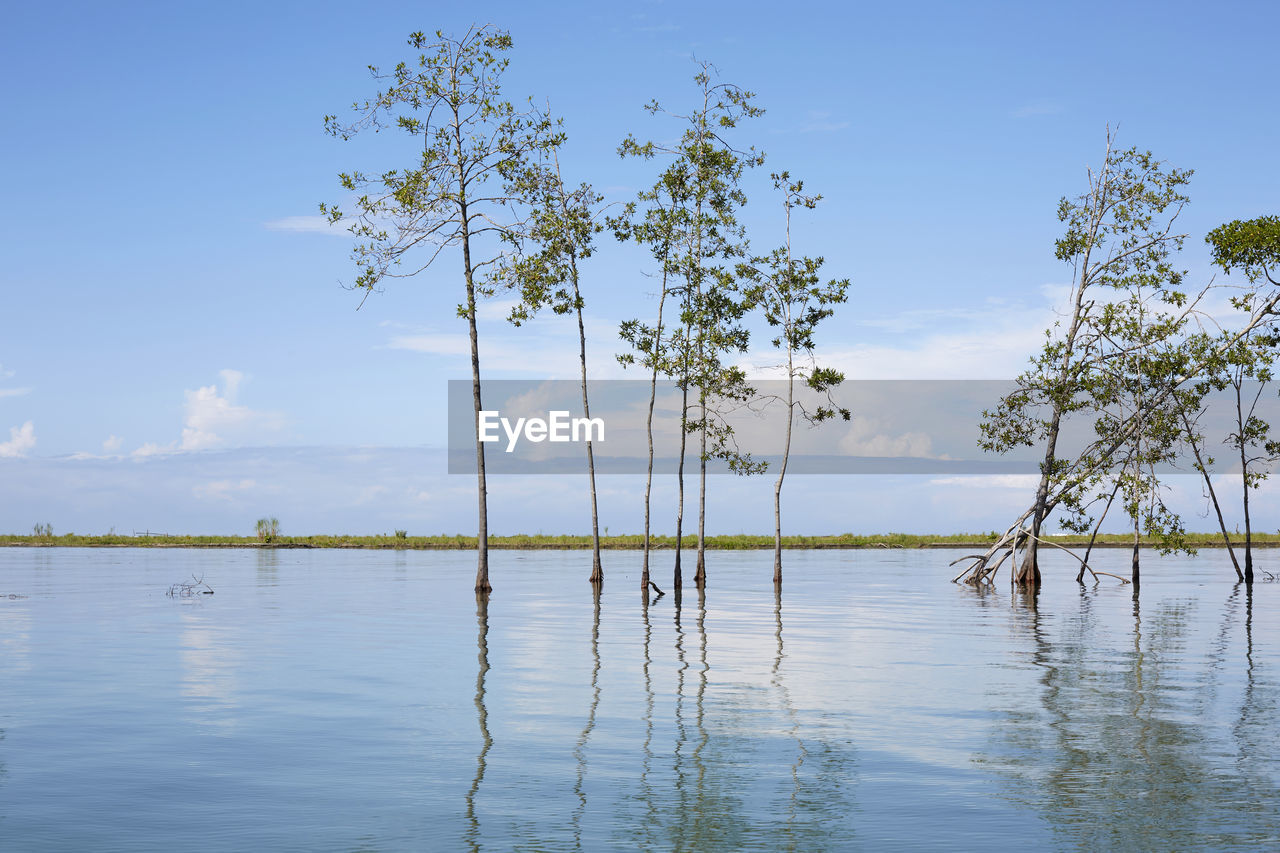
(186, 589)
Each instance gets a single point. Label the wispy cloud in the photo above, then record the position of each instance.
(315, 224)
(112, 444)
(546, 346)
(815, 121)
(1021, 482)
(8, 373)
(928, 343)
(21, 440)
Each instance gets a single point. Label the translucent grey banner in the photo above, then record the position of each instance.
(896, 427)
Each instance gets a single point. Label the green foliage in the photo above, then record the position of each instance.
(402, 534)
(268, 529)
(1119, 355)
(1251, 245)
(560, 232)
(449, 99)
(692, 227)
(42, 531)
(791, 295)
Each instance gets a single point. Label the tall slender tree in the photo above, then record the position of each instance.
(705, 258)
(471, 140)
(545, 273)
(1252, 246)
(655, 220)
(790, 292)
(1243, 371)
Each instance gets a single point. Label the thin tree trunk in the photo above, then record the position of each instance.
(1244, 477)
(1028, 573)
(1137, 537)
(597, 571)
(648, 428)
(1094, 537)
(782, 472)
(1137, 455)
(482, 525)
(700, 574)
(1213, 496)
(677, 582)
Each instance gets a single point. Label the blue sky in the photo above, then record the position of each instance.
(173, 309)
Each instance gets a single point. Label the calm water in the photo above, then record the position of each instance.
(354, 700)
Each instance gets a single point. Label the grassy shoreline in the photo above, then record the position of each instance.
(738, 542)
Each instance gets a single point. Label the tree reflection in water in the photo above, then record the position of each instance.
(580, 750)
(482, 715)
(666, 751)
(1121, 751)
(742, 773)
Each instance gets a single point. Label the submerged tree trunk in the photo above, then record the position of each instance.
(482, 525)
(1137, 508)
(677, 581)
(700, 573)
(1244, 479)
(597, 570)
(648, 429)
(1137, 540)
(1027, 574)
(1097, 527)
(782, 472)
(1213, 495)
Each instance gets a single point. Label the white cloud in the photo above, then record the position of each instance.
(21, 440)
(940, 343)
(863, 438)
(153, 449)
(307, 225)
(112, 444)
(5, 374)
(438, 344)
(213, 419)
(1023, 482)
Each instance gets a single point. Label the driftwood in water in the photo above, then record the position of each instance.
(186, 589)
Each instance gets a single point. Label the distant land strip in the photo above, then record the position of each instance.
(630, 542)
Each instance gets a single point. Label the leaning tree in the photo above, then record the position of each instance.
(1120, 241)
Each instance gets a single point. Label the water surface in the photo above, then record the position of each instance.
(362, 700)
